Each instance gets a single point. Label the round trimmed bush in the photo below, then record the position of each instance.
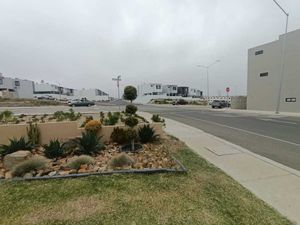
(131, 109)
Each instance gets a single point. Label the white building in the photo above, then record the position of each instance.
(15, 87)
(150, 89)
(264, 72)
(195, 93)
(170, 90)
(91, 94)
(18, 88)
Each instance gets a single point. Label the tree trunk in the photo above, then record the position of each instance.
(132, 145)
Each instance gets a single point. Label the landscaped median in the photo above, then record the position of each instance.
(203, 195)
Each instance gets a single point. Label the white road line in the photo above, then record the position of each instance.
(246, 131)
(278, 121)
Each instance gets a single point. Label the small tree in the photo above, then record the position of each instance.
(131, 122)
(130, 93)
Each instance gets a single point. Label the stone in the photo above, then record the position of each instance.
(28, 175)
(72, 171)
(53, 173)
(82, 171)
(8, 175)
(63, 173)
(15, 158)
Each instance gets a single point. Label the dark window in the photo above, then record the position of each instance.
(290, 100)
(17, 83)
(259, 52)
(1, 81)
(264, 74)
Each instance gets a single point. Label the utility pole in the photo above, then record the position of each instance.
(283, 56)
(118, 79)
(207, 67)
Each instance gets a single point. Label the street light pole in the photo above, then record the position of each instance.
(118, 79)
(207, 67)
(283, 56)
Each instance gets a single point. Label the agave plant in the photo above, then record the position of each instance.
(147, 134)
(15, 145)
(89, 143)
(54, 149)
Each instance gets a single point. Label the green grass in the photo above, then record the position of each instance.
(205, 195)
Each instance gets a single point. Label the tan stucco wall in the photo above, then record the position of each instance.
(263, 91)
(59, 130)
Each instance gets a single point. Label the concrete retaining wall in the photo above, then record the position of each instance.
(60, 130)
(239, 102)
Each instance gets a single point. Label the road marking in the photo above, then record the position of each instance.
(238, 129)
(278, 121)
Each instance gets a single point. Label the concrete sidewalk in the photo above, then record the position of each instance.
(277, 185)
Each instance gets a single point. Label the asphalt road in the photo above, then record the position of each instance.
(275, 137)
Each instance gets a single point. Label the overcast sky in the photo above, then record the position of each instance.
(84, 43)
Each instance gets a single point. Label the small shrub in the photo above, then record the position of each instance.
(7, 116)
(89, 143)
(54, 149)
(130, 93)
(77, 161)
(120, 136)
(131, 121)
(59, 115)
(32, 164)
(157, 119)
(102, 116)
(87, 119)
(72, 116)
(33, 133)
(112, 119)
(121, 160)
(16, 145)
(93, 126)
(147, 134)
(131, 109)
(22, 116)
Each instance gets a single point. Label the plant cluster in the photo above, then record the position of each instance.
(147, 134)
(7, 116)
(88, 144)
(33, 133)
(77, 161)
(54, 149)
(157, 119)
(93, 126)
(112, 118)
(121, 160)
(32, 164)
(15, 145)
(131, 109)
(71, 115)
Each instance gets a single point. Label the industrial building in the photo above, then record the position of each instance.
(20, 88)
(264, 75)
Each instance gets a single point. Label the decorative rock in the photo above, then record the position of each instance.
(28, 175)
(12, 159)
(82, 171)
(53, 173)
(63, 173)
(72, 171)
(8, 175)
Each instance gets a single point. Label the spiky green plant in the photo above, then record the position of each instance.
(147, 134)
(89, 143)
(6, 116)
(54, 149)
(33, 133)
(15, 145)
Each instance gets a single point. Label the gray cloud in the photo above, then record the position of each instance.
(83, 43)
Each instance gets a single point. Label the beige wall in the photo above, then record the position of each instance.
(60, 130)
(263, 91)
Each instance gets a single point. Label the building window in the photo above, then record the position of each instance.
(1, 81)
(264, 74)
(158, 87)
(290, 100)
(17, 83)
(259, 52)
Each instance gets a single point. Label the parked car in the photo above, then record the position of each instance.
(81, 102)
(180, 102)
(46, 97)
(220, 104)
